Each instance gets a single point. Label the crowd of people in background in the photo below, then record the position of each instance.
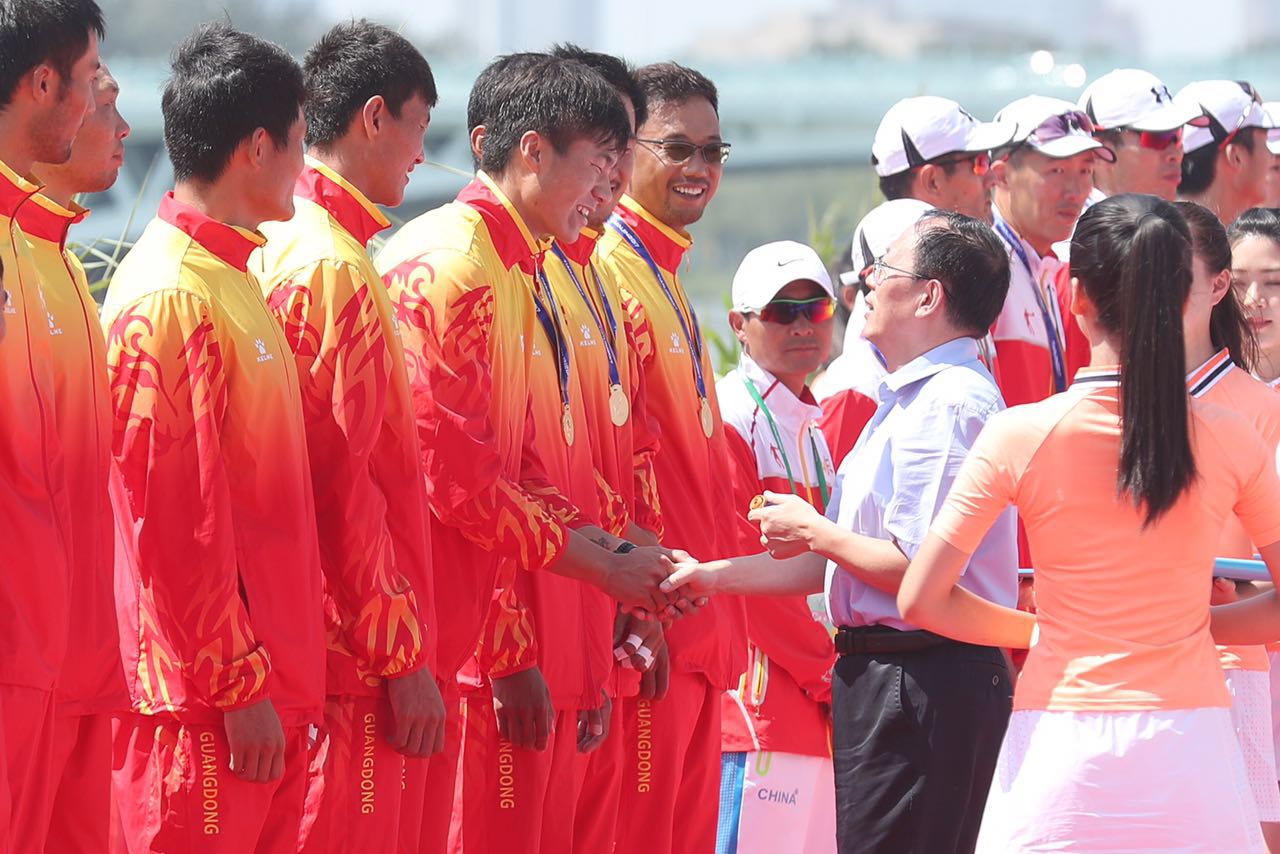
(460, 545)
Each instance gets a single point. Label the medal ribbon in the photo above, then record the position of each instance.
(694, 337)
(550, 320)
(610, 336)
(1056, 357)
(782, 448)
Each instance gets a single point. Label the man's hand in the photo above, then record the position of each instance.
(417, 711)
(633, 578)
(654, 682)
(786, 524)
(522, 705)
(637, 642)
(257, 742)
(593, 726)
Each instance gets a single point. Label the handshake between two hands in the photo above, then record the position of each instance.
(666, 584)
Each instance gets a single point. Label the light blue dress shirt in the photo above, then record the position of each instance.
(895, 479)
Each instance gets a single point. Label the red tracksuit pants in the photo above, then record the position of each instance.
(355, 781)
(28, 718)
(80, 810)
(175, 791)
(513, 801)
(671, 782)
(426, 811)
(598, 778)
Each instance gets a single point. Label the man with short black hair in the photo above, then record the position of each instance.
(1226, 160)
(929, 148)
(917, 719)
(91, 687)
(48, 62)
(221, 619)
(474, 311)
(669, 794)
(369, 100)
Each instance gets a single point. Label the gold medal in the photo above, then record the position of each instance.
(567, 423)
(619, 407)
(708, 424)
(756, 503)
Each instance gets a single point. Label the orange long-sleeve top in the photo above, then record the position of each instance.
(92, 680)
(370, 498)
(459, 277)
(33, 495)
(691, 467)
(217, 572)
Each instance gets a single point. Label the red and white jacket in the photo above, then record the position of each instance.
(782, 702)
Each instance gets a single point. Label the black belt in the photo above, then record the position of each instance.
(859, 640)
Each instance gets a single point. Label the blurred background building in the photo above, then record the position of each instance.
(802, 86)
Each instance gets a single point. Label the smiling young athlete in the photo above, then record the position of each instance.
(369, 100)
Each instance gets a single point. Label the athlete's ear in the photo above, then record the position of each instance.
(1219, 287)
(927, 179)
(373, 114)
(738, 323)
(533, 149)
(999, 173)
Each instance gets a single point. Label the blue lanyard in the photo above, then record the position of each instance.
(609, 337)
(1050, 329)
(694, 338)
(550, 320)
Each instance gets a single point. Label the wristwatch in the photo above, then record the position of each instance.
(624, 547)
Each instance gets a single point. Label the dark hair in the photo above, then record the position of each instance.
(560, 99)
(352, 63)
(488, 89)
(1132, 255)
(1200, 167)
(898, 185)
(1256, 222)
(1228, 326)
(225, 85)
(672, 83)
(971, 263)
(34, 32)
(616, 71)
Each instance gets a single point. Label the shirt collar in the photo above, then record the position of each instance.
(579, 251)
(349, 207)
(49, 221)
(511, 237)
(665, 244)
(958, 351)
(14, 190)
(229, 243)
(1102, 376)
(1207, 375)
(781, 401)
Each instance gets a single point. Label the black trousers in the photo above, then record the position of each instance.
(916, 736)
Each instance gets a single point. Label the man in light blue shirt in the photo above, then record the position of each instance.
(917, 718)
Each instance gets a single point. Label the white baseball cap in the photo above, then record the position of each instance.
(769, 268)
(1136, 99)
(1272, 109)
(917, 130)
(1053, 127)
(1229, 106)
(876, 232)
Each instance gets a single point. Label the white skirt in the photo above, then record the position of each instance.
(1120, 782)
(1251, 716)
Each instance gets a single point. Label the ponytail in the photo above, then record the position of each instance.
(1132, 255)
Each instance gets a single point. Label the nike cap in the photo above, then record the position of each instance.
(769, 268)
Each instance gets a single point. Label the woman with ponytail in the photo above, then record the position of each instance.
(1121, 735)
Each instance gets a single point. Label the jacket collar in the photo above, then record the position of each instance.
(230, 244)
(349, 207)
(49, 221)
(665, 244)
(516, 246)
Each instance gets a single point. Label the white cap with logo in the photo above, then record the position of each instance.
(876, 232)
(1228, 105)
(769, 268)
(1053, 127)
(1135, 99)
(1272, 109)
(917, 130)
